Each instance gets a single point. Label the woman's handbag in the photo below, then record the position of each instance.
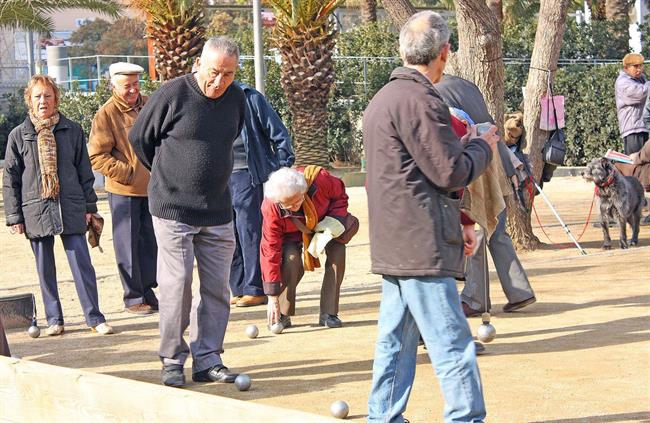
(554, 150)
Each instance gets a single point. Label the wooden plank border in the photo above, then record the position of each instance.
(37, 392)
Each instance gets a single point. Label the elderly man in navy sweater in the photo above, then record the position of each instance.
(185, 136)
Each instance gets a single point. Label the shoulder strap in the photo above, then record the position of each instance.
(301, 226)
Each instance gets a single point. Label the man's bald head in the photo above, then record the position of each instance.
(422, 38)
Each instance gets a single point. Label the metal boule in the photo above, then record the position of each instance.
(339, 409)
(243, 382)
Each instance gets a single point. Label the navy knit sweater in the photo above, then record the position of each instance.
(185, 139)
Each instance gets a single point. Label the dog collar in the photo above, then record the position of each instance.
(608, 182)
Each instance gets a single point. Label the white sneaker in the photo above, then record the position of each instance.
(54, 330)
(103, 329)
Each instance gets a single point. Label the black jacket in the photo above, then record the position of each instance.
(22, 190)
(414, 161)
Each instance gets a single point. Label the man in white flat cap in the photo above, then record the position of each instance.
(127, 180)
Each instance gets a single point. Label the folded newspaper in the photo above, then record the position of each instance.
(618, 157)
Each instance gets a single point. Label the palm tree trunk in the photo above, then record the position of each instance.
(309, 127)
(546, 52)
(368, 11)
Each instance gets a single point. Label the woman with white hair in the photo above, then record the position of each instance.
(303, 209)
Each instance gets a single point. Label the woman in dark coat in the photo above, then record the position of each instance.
(48, 191)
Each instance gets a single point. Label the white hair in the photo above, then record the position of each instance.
(116, 79)
(422, 38)
(284, 183)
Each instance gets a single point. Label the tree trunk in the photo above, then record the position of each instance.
(479, 57)
(368, 11)
(496, 6)
(399, 11)
(597, 8)
(616, 9)
(546, 52)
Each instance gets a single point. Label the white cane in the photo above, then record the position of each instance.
(557, 216)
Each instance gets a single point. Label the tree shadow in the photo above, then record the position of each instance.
(641, 416)
(597, 335)
(546, 308)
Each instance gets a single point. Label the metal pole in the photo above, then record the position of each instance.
(258, 44)
(99, 69)
(30, 53)
(557, 216)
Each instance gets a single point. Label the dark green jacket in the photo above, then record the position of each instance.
(22, 182)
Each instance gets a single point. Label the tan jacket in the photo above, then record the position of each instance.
(111, 153)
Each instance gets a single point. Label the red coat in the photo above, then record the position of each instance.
(460, 130)
(329, 198)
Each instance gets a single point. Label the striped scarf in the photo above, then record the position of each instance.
(311, 219)
(47, 154)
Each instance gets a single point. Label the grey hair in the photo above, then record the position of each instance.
(422, 38)
(284, 183)
(220, 44)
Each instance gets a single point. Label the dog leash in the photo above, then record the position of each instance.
(539, 222)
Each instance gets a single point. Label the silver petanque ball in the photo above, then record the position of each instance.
(277, 328)
(252, 331)
(243, 382)
(34, 331)
(339, 409)
(486, 333)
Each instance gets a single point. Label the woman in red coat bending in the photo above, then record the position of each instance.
(304, 211)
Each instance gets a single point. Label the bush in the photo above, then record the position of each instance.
(15, 115)
(592, 125)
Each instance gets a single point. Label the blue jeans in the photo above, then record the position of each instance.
(430, 306)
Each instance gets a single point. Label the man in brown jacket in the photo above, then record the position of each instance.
(415, 165)
(126, 182)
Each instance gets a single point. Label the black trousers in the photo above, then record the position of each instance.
(135, 248)
(633, 143)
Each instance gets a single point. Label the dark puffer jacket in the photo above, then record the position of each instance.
(22, 182)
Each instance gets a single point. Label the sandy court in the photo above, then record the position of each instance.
(580, 354)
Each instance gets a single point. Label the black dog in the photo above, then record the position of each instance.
(620, 196)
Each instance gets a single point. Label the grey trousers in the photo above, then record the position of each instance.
(512, 275)
(4, 346)
(207, 313)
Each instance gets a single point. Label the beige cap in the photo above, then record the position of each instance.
(123, 68)
(633, 59)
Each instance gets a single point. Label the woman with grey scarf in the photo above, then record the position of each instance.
(48, 191)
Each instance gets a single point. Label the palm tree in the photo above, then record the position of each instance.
(32, 15)
(177, 29)
(305, 36)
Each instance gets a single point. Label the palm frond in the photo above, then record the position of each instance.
(32, 15)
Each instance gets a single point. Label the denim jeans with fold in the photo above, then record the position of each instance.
(430, 306)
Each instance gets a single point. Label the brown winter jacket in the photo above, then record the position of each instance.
(111, 153)
(414, 164)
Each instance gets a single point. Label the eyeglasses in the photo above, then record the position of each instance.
(292, 205)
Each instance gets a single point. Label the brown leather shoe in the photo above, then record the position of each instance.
(139, 309)
(233, 300)
(252, 300)
(469, 311)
